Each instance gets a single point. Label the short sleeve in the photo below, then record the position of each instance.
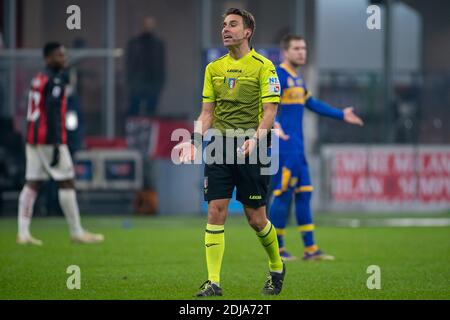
(282, 78)
(269, 83)
(208, 94)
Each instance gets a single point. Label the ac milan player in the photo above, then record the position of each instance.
(47, 155)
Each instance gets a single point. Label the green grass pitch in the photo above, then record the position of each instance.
(163, 258)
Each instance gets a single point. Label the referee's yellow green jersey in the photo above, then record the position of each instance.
(239, 88)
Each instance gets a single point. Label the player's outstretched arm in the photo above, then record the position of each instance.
(325, 109)
(187, 150)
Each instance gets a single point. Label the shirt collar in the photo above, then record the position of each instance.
(289, 70)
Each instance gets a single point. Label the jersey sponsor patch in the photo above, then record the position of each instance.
(274, 88)
(274, 85)
(56, 91)
(274, 80)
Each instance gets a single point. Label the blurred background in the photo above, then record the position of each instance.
(136, 72)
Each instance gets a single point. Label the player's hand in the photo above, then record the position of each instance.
(247, 148)
(55, 158)
(279, 131)
(186, 151)
(351, 117)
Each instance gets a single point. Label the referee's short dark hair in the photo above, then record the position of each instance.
(286, 40)
(50, 47)
(247, 17)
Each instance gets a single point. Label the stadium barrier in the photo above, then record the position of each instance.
(108, 169)
(385, 178)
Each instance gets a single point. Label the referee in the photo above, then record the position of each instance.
(241, 93)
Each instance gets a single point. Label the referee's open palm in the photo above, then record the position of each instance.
(186, 152)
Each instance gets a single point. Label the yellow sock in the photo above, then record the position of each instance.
(268, 238)
(215, 246)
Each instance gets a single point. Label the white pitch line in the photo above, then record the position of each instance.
(418, 222)
(394, 222)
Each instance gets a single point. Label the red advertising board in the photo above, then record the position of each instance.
(390, 175)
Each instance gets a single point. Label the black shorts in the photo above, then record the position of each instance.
(220, 179)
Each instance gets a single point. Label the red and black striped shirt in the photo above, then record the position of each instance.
(47, 106)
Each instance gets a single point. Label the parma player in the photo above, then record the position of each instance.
(47, 154)
(241, 91)
(293, 180)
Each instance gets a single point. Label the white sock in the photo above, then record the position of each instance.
(27, 198)
(69, 205)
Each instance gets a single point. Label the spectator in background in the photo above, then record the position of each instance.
(145, 67)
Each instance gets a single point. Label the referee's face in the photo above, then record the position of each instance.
(233, 31)
(296, 53)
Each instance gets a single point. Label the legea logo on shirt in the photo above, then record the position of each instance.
(231, 83)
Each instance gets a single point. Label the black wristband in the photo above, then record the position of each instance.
(196, 139)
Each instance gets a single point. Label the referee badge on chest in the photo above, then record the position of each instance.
(231, 83)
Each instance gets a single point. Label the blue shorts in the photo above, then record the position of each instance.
(293, 175)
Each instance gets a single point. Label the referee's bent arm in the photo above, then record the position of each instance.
(266, 124)
(205, 120)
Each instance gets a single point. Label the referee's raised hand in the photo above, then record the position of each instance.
(186, 151)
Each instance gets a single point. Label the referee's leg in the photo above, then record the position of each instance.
(218, 189)
(252, 189)
(267, 235)
(215, 238)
